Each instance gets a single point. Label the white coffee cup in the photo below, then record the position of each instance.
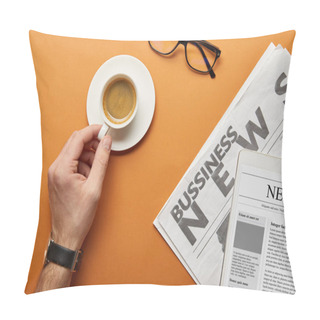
(111, 122)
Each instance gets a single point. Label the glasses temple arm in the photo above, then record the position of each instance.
(210, 46)
(212, 74)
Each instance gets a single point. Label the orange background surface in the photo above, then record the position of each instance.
(123, 246)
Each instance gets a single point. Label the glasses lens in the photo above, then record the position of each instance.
(200, 57)
(163, 47)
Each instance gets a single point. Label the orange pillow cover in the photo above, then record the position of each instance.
(123, 246)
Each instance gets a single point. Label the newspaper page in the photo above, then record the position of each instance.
(194, 220)
(256, 252)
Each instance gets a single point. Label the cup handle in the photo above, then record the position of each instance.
(103, 131)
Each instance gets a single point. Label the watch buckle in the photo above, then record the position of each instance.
(77, 261)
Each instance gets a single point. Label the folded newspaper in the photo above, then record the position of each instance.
(255, 254)
(194, 220)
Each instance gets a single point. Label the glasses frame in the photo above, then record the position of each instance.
(198, 44)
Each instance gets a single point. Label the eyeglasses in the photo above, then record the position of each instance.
(201, 55)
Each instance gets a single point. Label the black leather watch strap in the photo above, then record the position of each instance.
(63, 256)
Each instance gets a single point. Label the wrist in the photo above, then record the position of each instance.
(63, 256)
(65, 241)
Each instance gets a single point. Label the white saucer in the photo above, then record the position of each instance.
(123, 139)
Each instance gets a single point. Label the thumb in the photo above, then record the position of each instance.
(100, 163)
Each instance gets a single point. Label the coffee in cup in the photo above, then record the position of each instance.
(118, 103)
(119, 100)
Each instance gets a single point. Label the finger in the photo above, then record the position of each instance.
(83, 169)
(78, 140)
(92, 145)
(87, 157)
(100, 163)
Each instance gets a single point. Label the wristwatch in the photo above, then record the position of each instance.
(63, 256)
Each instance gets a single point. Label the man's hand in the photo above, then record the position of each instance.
(75, 181)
